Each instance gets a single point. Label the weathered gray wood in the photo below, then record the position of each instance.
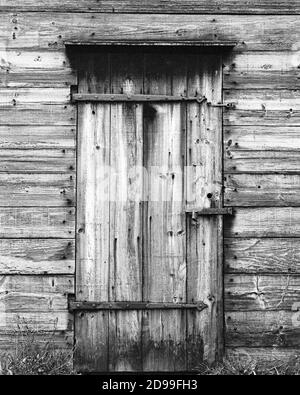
(38, 161)
(37, 79)
(37, 137)
(164, 221)
(38, 114)
(261, 138)
(261, 292)
(204, 181)
(39, 190)
(262, 189)
(262, 162)
(273, 119)
(262, 255)
(37, 257)
(34, 295)
(126, 215)
(265, 100)
(263, 329)
(16, 96)
(158, 6)
(62, 339)
(50, 30)
(37, 222)
(264, 222)
(265, 358)
(261, 70)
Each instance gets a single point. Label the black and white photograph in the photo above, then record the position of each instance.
(149, 191)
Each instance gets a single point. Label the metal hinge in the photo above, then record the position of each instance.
(230, 106)
(99, 306)
(209, 211)
(119, 98)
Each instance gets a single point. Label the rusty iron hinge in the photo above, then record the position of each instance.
(230, 106)
(98, 306)
(119, 98)
(209, 211)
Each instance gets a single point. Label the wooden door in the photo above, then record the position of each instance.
(142, 168)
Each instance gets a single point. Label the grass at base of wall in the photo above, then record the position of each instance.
(31, 357)
(236, 367)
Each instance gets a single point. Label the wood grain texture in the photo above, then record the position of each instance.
(267, 190)
(261, 138)
(39, 161)
(262, 162)
(258, 256)
(263, 329)
(158, 6)
(264, 356)
(37, 222)
(37, 257)
(204, 183)
(164, 222)
(34, 294)
(264, 100)
(263, 118)
(37, 190)
(50, 30)
(38, 114)
(16, 96)
(264, 222)
(62, 339)
(261, 292)
(37, 137)
(262, 70)
(126, 214)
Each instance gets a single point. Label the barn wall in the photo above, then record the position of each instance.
(261, 157)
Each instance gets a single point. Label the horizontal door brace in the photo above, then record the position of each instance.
(119, 98)
(98, 306)
(209, 211)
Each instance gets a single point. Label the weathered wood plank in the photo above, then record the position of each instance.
(126, 215)
(247, 190)
(37, 137)
(34, 294)
(49, 320)
(61, 339)
(164, 223)
(22, 96)
(38, 114)
(280, 256)
(262, 162)
(37, 257)
(264, 357)
(37, 222)
(50, 30)
(38, 79)
(264, 222)
(261, 292)
(37, 190)
(157, 6)
(262, 118)
(204, 180)
(262, 70)
(38, 161)
(263, 329)
(261, 138)
(265, 100)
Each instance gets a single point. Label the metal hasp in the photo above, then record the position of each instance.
(98, 306)
(209, 211)
(88, 97)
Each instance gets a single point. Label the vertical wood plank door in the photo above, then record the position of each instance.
(141, 168)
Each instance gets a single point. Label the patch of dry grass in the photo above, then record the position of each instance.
(31, 357)
(237, 367)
